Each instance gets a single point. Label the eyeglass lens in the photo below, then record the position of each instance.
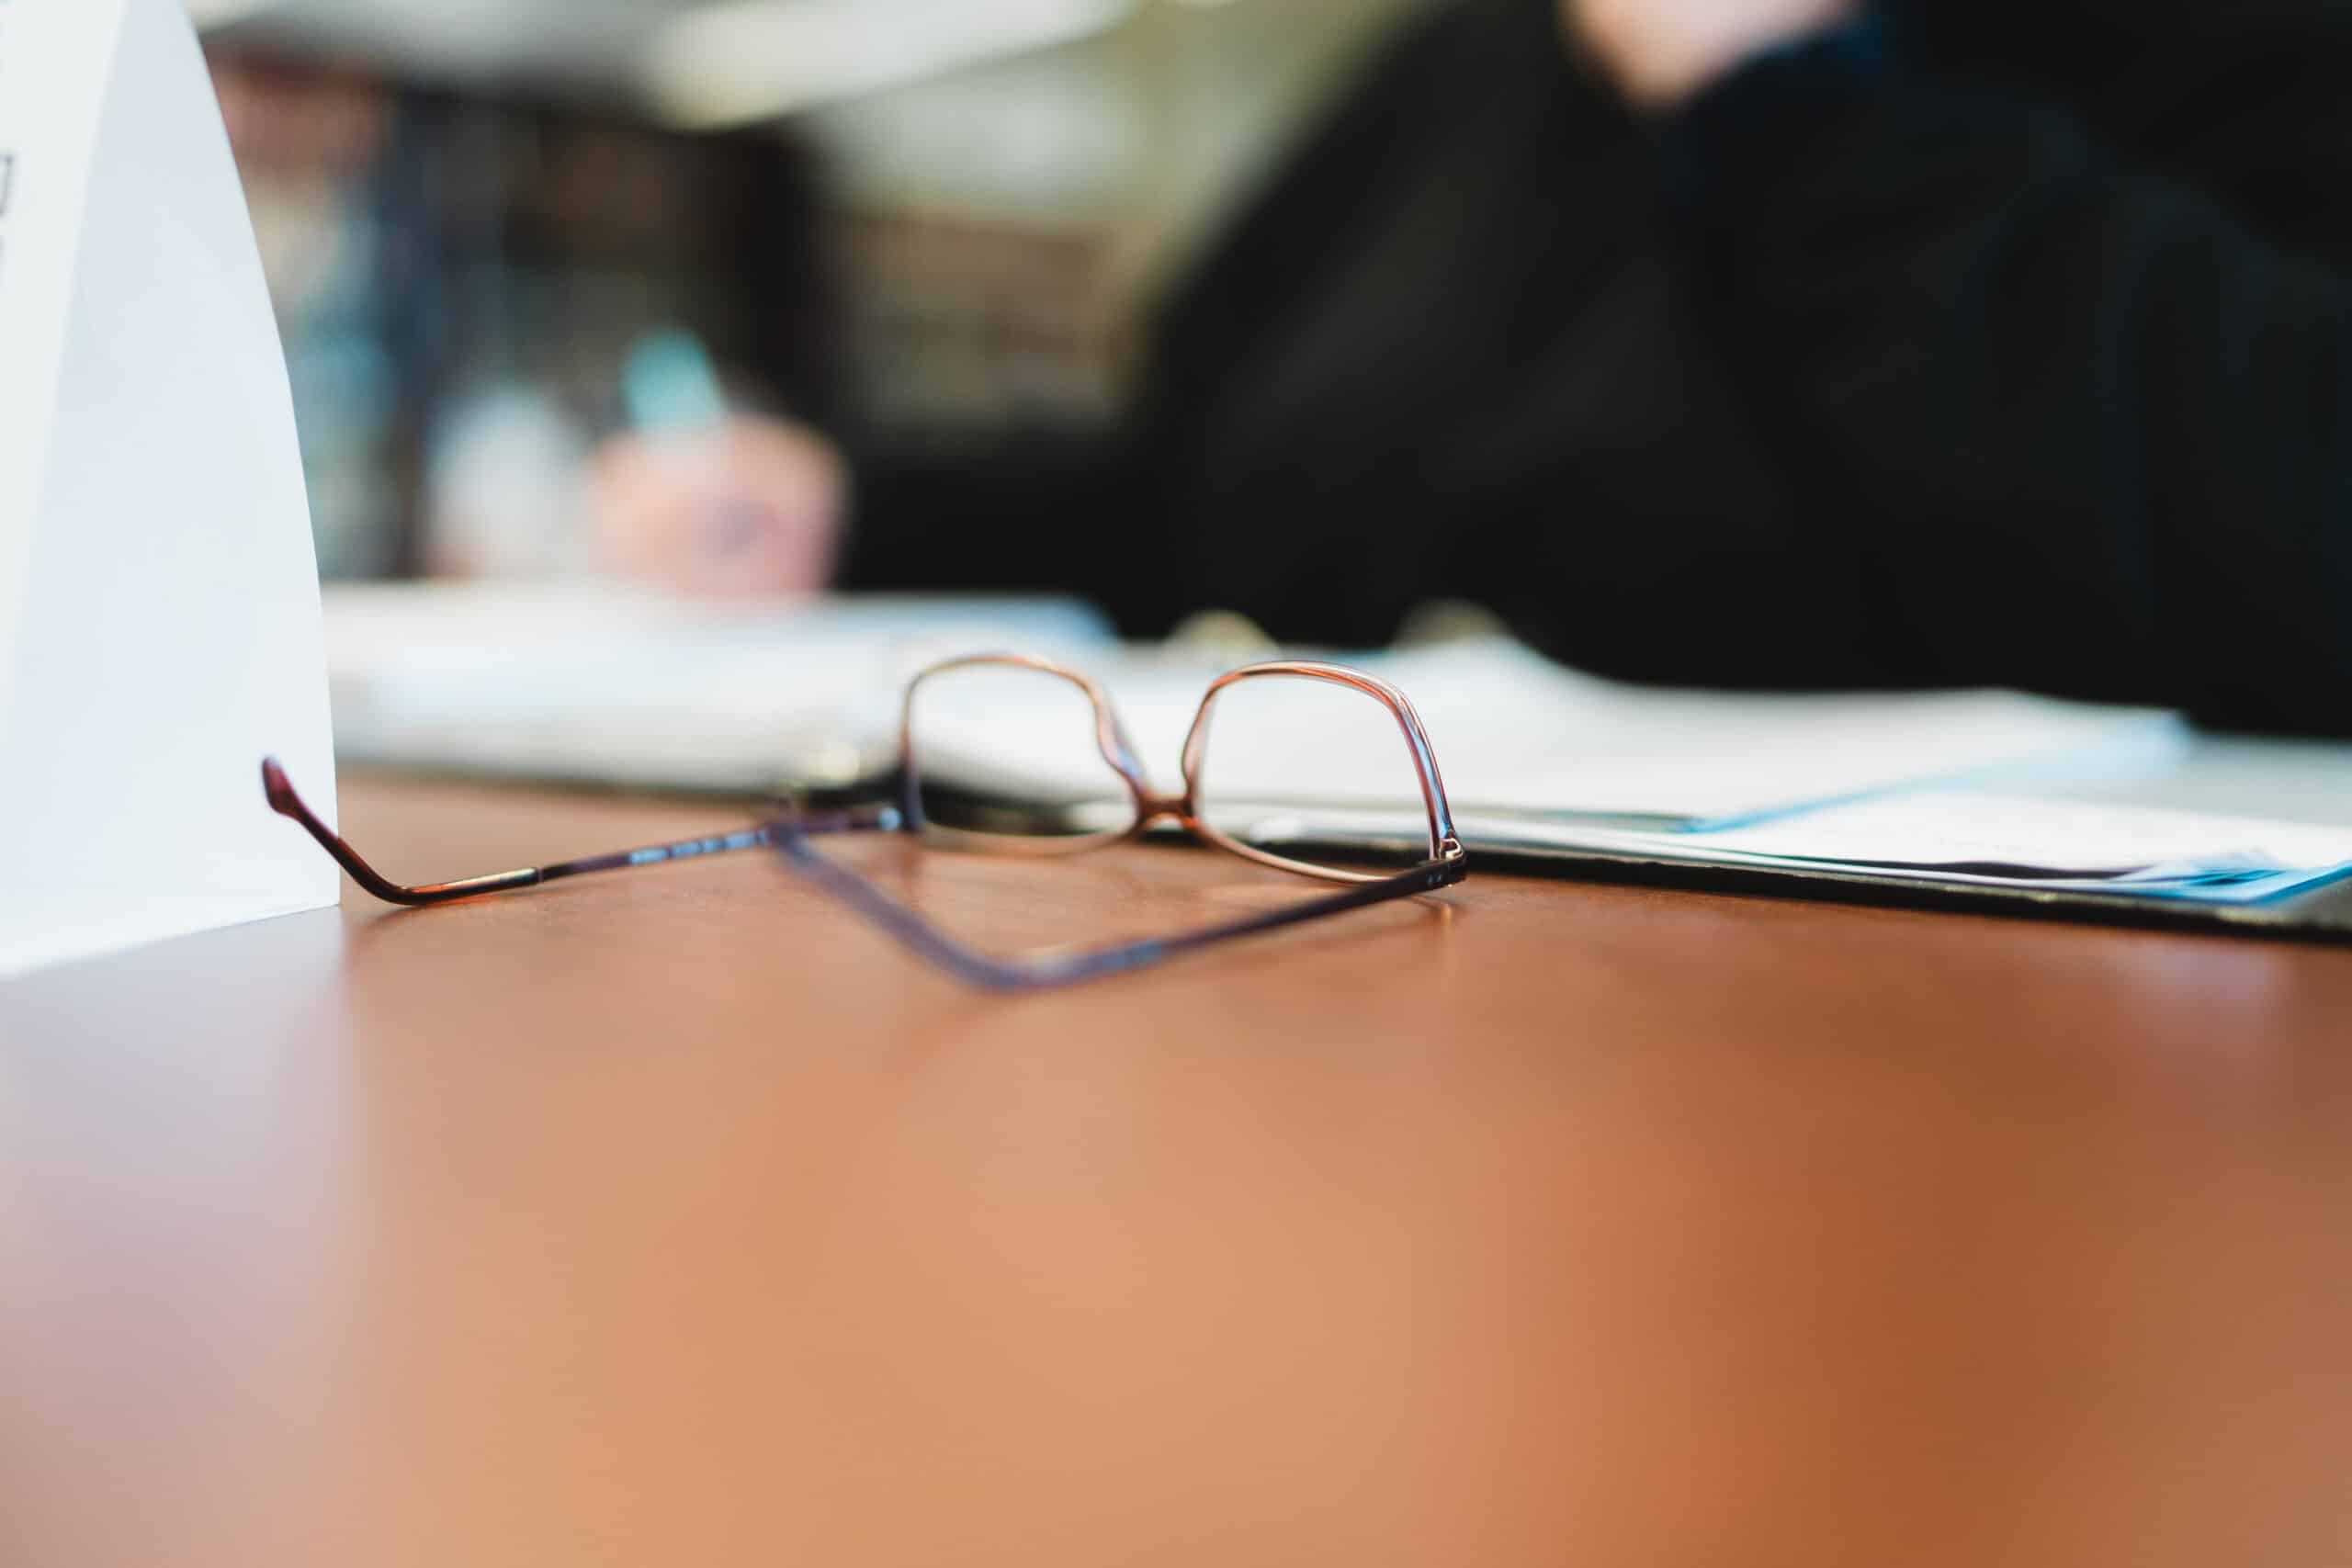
(1008, 752)
(1290, 761)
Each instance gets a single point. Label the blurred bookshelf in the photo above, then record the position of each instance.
(454, 268)
(956, 323)
(469, 219)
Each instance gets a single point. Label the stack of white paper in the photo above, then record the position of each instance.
(1918, 786)
(1941, 835)
(603, 683)
(1958, 786)
(1516, 735)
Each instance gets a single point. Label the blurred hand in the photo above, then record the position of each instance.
(1662, 51)
(752, 508)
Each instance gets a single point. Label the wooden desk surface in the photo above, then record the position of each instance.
(678, 1219)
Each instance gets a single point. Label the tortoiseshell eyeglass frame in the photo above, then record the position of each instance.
(792, 836)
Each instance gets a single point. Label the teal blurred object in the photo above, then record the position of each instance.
(670, 385)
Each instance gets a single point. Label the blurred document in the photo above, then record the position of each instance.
(612, 684)
(1517, 735)
(603, 683)
(1947, 835)
(609, 684)
(1960, 787)
(159, 625)
(1990, 836)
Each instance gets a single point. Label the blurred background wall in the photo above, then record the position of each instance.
(909, 219)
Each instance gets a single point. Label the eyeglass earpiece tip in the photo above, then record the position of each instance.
(279, 788)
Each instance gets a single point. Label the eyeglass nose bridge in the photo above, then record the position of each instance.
(1119, 750)
(1153, 809)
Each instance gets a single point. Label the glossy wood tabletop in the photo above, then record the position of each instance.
(677, 1218)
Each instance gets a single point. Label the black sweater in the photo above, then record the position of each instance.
(1977, 342)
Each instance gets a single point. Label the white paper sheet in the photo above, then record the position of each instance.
(1994, 835)
(54, 59)
(1963, 836)
(1516, 735)
(604, 684)
(1989, 839)
(159, 626)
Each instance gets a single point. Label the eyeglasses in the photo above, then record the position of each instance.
(1012, 754)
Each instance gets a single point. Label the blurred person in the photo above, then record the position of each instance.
(1786, 343)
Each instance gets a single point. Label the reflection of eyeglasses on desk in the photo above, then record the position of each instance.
(1010, 754)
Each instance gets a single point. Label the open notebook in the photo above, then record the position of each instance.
(1950, 787)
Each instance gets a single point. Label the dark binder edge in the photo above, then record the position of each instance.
(2315, 914)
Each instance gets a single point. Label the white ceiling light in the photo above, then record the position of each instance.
(221, 13)
(748, 60)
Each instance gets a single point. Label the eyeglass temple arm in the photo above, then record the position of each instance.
(286, 803)
(1041, 973)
